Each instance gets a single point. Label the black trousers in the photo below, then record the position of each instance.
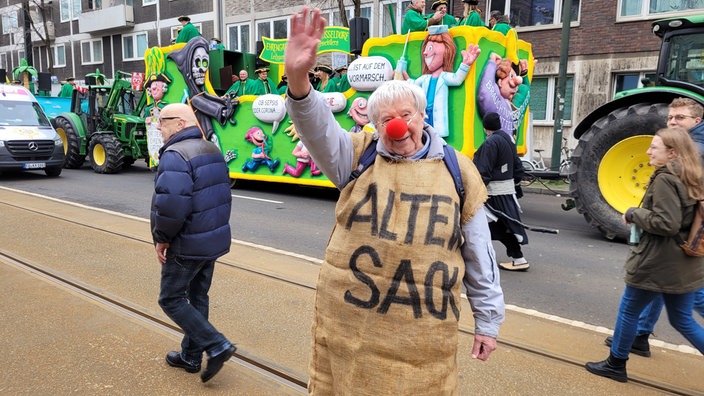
(500, 233)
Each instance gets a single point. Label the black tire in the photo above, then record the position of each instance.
(72, 142)
(128, 162)
(528, 178)
(631, 172)
(53, 172)
(105, 154)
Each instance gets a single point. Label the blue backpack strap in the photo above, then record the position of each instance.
(453, 166)
(365, 161)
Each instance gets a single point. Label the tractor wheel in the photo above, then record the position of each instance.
(105, 154)
(53, 172)
(127, 163)
(72, 142)
(609, 171)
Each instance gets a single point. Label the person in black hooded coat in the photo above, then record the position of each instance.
(501, 169)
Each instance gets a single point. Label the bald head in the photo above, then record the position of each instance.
(175, 117)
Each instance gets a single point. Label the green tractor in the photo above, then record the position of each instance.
(105, 125)
(610, 169)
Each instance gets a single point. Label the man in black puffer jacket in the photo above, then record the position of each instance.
(190, 226)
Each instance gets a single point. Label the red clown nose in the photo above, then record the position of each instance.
(396, 128)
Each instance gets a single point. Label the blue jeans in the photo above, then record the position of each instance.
(679, 313)
(651, 313)
(184, 298)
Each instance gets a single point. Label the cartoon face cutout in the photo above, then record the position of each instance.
(508, 86)
(157, 90)
(200, 65)
(434, 56)
(358, 111)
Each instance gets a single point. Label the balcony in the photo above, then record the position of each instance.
(116, 17)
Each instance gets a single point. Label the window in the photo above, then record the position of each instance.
(685, 58)
(95, 4)
(630, 8)
(542, 98)
(392, 17)
(3, 62)
(626, 81)
(334, 19)
(59, 54)
(148, 2)
(274, 29)
(92, 52)
(9, 22)
(533, 12)
(69, 9)
(238, 38)
(134, 46)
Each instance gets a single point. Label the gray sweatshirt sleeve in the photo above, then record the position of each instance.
(328, 143)
(481, 277)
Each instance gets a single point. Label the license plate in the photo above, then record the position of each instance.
(34, 165)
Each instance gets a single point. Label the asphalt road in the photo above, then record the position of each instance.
(575, 274)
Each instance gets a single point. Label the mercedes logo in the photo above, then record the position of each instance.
(33, 146)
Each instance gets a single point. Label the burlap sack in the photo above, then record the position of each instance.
(388, 297)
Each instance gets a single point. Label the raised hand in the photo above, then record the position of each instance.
(301, 49)
(470, 55)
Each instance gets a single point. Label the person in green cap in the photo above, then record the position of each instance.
(67, 88)
(263, 85)
(472, 15)
(440, 6)
(188, 31)
(415, 21)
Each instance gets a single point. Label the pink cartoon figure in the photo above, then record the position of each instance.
(260, 154)
(303, 160)
(358, 112)
(439, 51)
(502, 90)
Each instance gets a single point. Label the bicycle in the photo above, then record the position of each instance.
(537, 169)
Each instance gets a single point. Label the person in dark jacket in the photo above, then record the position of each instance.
(657, 265)
(190, 217)
(501, 169)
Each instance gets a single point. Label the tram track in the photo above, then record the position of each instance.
(261, 367)
(265, 368)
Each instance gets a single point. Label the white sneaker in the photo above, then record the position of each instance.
(512, 266)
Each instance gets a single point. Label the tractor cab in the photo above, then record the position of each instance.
(681, 61)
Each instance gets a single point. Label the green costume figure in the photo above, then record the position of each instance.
(440, 6)
(242, 86)
(499, 22)
(67, 89)
(339, 83)
(263, 85)
(415, 21)
(472, 14)
(188, 31)
(215, 43)
(322, 75)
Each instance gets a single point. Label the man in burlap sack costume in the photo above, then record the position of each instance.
(388, 294)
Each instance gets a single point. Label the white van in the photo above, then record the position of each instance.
(27, 139)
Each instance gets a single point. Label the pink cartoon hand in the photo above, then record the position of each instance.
(470, 55)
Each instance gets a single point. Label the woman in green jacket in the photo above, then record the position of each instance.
(657, 265)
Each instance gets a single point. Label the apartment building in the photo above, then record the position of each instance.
(611, 45)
